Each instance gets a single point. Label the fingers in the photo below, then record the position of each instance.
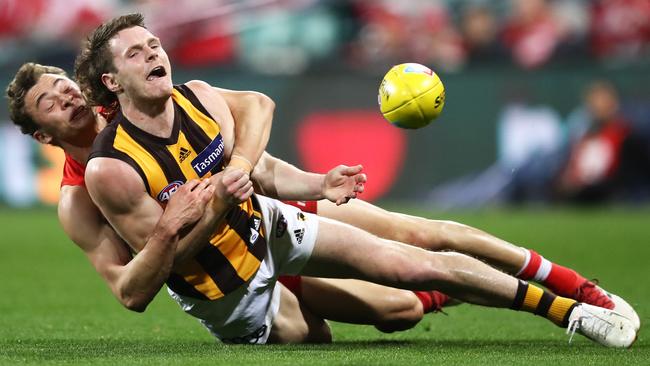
(191, 184)
(352, 170)
(206, 195)
(345, 199)
(247, 194)
(232, 175)
(202, 185)
(242, 193)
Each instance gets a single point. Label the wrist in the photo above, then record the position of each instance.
(240, 162)
(167, 229)
(323, 186)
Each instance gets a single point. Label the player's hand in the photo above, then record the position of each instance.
(343, 183)
(187, 204)
(233, 186)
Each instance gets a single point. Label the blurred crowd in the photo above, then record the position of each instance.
(599, 153)
(447, 34)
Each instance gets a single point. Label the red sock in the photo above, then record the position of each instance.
(561, 280)
(431, 300)
(293, 283)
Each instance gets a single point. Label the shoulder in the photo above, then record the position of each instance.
(208, 98)
(199, 86)
(204, 91)
(113, 183)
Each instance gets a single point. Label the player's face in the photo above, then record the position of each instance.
(143, 69)
(57, 105)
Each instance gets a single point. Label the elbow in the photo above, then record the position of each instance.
(264, 102)
(137, 304)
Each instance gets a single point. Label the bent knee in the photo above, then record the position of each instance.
(403, 315)
(314, 332)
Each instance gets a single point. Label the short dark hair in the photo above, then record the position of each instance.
(95, 59)
(26, 77)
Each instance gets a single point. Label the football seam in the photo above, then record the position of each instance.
(411, 92)
(412, 100)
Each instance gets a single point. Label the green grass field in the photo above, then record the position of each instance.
(54, 309)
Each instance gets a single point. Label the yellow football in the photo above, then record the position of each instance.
(411, 95)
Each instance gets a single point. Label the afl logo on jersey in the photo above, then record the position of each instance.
(168, 191)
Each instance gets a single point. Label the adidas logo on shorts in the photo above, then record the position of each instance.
(299, 234)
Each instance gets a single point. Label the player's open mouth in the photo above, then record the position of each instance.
(79, 111)
(157, 72)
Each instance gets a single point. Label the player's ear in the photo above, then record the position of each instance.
(109, 81)
(42, 137)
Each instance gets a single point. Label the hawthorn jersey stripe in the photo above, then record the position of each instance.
(205, 123)
(194, 135)
(178, 284)
(156, 178)
(194, 273)
(228, 259)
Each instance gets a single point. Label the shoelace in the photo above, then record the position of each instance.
(600, 327)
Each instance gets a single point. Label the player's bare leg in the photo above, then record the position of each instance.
(399, 265)
(448, 235)
(294, 323)
(343, 251)
(426, 233)
(359, 302)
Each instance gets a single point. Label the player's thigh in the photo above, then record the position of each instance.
(386, 224)
(361, 214)
(358, 302)
(294, 323)
(344, 251)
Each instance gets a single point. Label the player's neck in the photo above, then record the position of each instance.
(156, 118)
(80, 145)
(80, 154)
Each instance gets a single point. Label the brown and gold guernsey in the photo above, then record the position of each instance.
(195, 149)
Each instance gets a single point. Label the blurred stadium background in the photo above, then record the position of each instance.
(548, 101)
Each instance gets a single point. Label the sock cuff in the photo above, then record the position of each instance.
(526, 261)
(545, 267)
(560, 310)
(533, 266)
(522, 288)
(533, 299)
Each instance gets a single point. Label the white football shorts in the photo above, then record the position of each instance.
(246, 314)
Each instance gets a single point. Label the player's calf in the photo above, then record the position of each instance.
(296, 324)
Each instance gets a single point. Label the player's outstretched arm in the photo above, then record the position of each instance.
(134, 281)
(278, 179)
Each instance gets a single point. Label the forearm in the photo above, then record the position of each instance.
(145, 274)
(253, 116)
(278, 179)
(196, 239)
(138, 280)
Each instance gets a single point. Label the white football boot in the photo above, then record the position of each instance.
(601, 325)
(590, 293)
(622, 307)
